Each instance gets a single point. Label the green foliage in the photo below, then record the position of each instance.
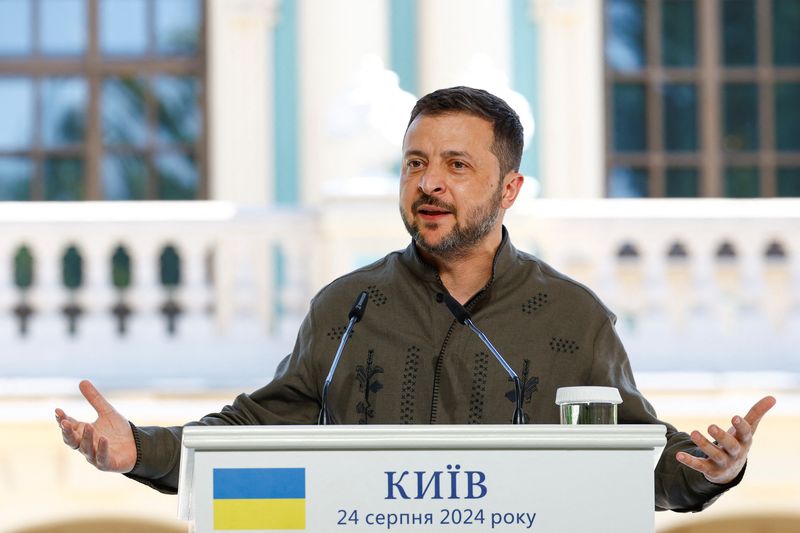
(170, 267)
(121, 268)
(72, 268)
(23, 268)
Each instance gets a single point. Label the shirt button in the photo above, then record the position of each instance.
(439, 297)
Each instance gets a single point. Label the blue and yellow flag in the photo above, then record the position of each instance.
(259, 498)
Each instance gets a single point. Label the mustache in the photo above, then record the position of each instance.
(426, 199)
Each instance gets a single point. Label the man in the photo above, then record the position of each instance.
(409, 361)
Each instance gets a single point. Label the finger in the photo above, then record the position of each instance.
(743, 430)
(757, 412)
(93, 396)
(87, 444)
(71, 433)
(61, 416)
(713, 452)
(703, 466)
(732, 444)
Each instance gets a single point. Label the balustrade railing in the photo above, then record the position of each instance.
(179, 293)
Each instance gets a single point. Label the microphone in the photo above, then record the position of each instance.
(463, 317)
(355, 315)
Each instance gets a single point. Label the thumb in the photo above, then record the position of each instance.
(95, 399)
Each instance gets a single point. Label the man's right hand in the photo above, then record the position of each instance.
(107, 443)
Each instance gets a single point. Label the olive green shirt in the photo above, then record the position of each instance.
(410, 362)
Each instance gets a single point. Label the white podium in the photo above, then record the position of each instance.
(540, 478)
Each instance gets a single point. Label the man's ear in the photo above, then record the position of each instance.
(512, 183)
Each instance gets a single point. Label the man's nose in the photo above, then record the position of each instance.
(432, 181)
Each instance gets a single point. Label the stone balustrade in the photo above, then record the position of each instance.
(711, 285)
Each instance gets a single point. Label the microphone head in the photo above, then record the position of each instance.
(359, 306)
(456, 308)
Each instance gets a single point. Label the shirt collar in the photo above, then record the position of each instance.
(503, 260)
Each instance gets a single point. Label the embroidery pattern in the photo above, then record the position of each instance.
(367, 385)
(477, 397)
(376, 296)
(336, 333)
(530, 384)
(535, 303)
(559, 345)
(408, 391)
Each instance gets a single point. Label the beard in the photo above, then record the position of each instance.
(466, 233)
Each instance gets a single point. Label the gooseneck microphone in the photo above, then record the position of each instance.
(462, 316)
(355, 315)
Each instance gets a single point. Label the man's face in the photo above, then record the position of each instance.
(451, 192)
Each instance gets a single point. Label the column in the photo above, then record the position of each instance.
(240, 100)
(571, 99)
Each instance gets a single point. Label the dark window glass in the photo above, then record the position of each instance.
(15, 178)
(177, 175)
(741, 116)
(680, 117)
(123, 27)
(63, 179)
(786, 32)
(788, 181)
(15, 27)
(64, 105)
(678, 33)
(124, 178)
(629, 117)
(738, 32)
(681, 183)
(628, 183)
(177, 26)
(123, 112)
(178, 112)
(62, 27)
(741, 182)
(625, 42)
(787, 115)
(16, 112)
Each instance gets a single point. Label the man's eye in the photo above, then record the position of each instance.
(414, 163)
(459, 165)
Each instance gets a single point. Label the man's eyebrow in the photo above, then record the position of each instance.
(456, 153)
(418, 153)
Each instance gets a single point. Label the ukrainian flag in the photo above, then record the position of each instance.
(259, 498)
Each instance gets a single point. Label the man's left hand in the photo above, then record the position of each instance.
(728, 455)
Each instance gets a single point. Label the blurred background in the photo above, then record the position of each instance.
(179, 177)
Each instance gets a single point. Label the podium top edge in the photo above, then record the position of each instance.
(424, 437)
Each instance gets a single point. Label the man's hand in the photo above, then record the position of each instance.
(727, 456)
(107, 443)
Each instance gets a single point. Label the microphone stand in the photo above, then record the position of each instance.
(463, 317)
(355, 315)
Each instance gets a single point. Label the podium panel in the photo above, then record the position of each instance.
(420, 478)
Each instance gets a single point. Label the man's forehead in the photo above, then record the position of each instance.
(441, 125)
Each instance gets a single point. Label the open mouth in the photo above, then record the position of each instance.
(431, 212)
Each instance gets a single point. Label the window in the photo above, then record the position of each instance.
(102, 100)
(702, 98)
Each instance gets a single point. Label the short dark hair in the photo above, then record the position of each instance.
(506, 126)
